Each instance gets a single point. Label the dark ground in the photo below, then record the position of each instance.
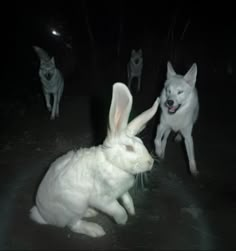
(176, 211)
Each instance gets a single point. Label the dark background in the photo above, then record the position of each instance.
(92, 53)
(102, 35)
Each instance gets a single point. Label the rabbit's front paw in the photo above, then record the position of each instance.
(88, 228)
(90, 213)
(128, 203)
(121, 219)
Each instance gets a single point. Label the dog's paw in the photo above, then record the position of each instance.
(193, 169)
(160, 154)
(158, 150)
(49, 108)
(52, 117)
(195, 173)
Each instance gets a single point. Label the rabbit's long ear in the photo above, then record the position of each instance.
(139, 123)
(120, 108)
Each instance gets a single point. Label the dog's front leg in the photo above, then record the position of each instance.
(48, 102)
(128, 203)
(188, 140)
(129, 82)
(158, 141)
(57, 105)
(164, 141)
(60, 92)
(139, 83)
(55, 101)
(130, 77)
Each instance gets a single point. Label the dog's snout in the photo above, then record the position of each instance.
(170, 102)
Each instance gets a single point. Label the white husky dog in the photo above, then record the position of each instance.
(52, 81)
(81, 182)
(179, 106)
(135, 67)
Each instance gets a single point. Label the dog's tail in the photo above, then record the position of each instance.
(42, 54)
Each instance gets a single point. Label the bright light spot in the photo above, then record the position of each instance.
(55, 33)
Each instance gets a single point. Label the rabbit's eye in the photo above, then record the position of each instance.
(129, 148)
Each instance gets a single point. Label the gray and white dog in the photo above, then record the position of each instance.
(52, 81)
(179, 111)
(135, 67)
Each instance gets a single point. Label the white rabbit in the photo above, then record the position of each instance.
(81, 182)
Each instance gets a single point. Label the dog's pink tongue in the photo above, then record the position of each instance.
(172, 109)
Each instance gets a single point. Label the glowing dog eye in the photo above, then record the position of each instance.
(129, 148)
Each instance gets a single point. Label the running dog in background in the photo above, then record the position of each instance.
(135, 67)
(52, 81)
(179, 111)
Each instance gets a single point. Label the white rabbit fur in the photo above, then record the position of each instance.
(81, 182)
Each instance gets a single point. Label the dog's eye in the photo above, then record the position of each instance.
(129, 148)
(179, 92)
(168, 91)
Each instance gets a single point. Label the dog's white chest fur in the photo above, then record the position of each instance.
(180, 120)
(184, 117)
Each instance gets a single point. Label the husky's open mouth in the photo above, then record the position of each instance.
(172, 109)
(48, 76)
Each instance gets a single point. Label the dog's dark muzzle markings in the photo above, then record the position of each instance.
(171, 107)
(48, 76)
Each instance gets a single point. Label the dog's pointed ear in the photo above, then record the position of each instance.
(53, 60)
(120, 108)
(191, 75)
(133, 52)
(170, 70)
(140, 52)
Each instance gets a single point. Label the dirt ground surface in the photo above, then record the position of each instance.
(175, 211)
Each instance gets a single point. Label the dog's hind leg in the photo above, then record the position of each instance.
(188, 140)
